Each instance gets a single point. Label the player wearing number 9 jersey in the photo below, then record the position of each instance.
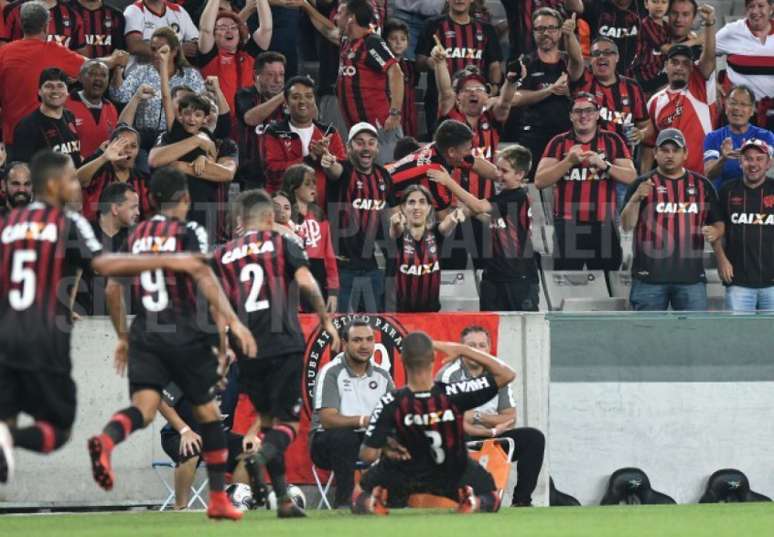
(418, 432)
(259, 272)
(172, 338)
(42, 246)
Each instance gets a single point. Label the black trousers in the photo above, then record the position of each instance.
(594, 244)
(530, 447)
(337, 450)
(401, 480)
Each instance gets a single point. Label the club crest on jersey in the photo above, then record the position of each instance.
(738, 200)
(450, 35)
(479, 36)
(768, 201)
(154, 245)
(677, 208)
(389, 333)
(661, 189)
(691, 191)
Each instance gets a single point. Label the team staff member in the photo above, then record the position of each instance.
(425, 418)
(51, 126)
(467, 41)
(583, 163)
(672, 211)
(497, 417)
(416, 267)
(22, 61)
(746, 260)
(362, 192)
(510, 280)
(95, 116)
(346, 391)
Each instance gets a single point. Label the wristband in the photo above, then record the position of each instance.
(494, 432)
(184, 430)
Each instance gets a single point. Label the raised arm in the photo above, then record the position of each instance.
(112, 153)
(262, 36)
(706, 63)
(631, 213)
(207, 26)
(443, 83)
(503, 374)
(575, 64)
(328, 30)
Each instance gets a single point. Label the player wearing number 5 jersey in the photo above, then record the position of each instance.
(42, 246)
(172, 338)
(418, 432)
(260, 272)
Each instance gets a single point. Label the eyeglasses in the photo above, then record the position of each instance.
(604, 52)
(545, 29)
(583, 111)
(740, 105)
(474, 89)
(231, 28)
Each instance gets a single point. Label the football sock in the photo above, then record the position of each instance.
(275, 441)
(276, 469)
(41, 437)
(215, 453)
(122, 424)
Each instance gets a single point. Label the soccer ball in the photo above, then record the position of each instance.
(241, 496)
(295, 493)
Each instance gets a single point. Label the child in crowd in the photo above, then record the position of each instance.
(396, 34)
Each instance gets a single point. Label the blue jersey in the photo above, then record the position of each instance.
(731, 168)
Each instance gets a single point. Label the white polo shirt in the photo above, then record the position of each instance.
(750, 62)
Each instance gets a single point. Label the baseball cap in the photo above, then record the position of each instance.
(363, 126)
(758, 144)
(671, 135)
(587, 97)
(680, 50)
(465, 75)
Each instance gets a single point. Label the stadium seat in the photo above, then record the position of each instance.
(563, 284)
(621, 283)
(458, 290)
(594, 304)
(542, 231)
(196, 492)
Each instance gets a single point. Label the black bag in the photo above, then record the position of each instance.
(730, 485)
(632, 486)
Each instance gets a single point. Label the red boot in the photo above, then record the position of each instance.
(220, 507)
(99, 451)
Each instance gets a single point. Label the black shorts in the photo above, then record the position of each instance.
(193, 369)
(274, 385)
(170, 443)
(401, 481)
(47, 397)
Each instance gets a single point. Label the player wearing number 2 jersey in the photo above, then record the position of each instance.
(418, 432)
(171, 339)
(41, 247)
(259, 272)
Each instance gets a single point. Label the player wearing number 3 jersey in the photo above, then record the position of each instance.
(261, 272)
(418, 432)
(172, 339)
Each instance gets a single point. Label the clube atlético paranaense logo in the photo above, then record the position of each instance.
(388, 331)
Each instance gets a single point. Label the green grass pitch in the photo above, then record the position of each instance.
(732, 520)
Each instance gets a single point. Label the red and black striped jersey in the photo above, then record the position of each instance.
(486, 137)
(257, 272)
(622, 25)
(648, 61)
(168, 310)
(65, 25)
(668, 241)
(507, 248)
(356, 205)
(473, 44)
(409, 113)
(103, 29)
(417, 272)
(105, 176)
(362, 87)
(412, 169)
(41, 248)
(430, 425)
(620, 103)
(749, 237)
(586, 194)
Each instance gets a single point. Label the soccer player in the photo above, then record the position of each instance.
(167, 342)
(259, 271)
(42, 244)
(425, 418)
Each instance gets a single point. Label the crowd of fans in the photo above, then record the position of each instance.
(395, 159)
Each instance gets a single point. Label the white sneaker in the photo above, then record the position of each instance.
(6, 454)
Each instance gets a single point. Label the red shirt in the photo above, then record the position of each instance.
(316, 234)
(92, 130)
(693, 110)
(21, 63)
(234, 72)
(363, 88)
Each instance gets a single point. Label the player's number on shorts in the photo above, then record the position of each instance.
(22, 273)
(254, 273)
(152, 282)
(436, 446)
